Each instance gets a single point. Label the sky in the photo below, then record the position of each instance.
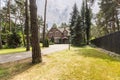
(58, 11)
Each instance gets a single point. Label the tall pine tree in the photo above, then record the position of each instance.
(77, 37)
(36, 51)
(87, 22)
(0, 28)
(83, 22)
(73, 21)
(27, 26)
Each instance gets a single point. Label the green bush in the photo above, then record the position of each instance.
(46, 43)
(4, 37)
(14, 40)
(51, 43)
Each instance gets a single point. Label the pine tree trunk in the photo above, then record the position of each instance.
(24, 43)
(36, 52)
(0, 35)
(88, 35)
(44, 22)
(106, 27)
(117, 21)
(0, 29)
(15, 24)
(9, 15)
(22, 29)
(0, 39)
(27, 27)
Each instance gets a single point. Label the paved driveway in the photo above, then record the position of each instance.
(20, 56)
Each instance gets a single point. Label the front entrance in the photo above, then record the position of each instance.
(65, 41)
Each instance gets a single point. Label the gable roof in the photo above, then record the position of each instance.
(61, 29)
(64, 28)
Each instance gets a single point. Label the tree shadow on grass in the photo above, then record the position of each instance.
(11, 71)
(92, 52)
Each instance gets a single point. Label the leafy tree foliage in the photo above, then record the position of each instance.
(110, 14)
(54, 25)
(14, 40)
(46, 43)
(107, 20)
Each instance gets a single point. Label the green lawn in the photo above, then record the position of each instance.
(77, 64)
(12, 51)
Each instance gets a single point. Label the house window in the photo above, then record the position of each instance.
(65, 33)
(57, 33)
(50, 34)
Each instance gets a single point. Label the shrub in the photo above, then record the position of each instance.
(4, 37)
(14, 40)
(51, 43)
(46, 43)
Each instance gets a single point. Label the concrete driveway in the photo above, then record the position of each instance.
(20, 56)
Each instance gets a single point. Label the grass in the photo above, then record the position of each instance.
(16, 50)
(11, 51)
(77, 64)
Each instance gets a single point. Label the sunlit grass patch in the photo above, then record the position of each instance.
(15, 50)
(10, 51)
(84, 63)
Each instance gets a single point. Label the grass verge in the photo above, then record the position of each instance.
(16, 50)
(12, 51)
(77, 64)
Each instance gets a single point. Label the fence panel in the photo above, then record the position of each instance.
(109, 42)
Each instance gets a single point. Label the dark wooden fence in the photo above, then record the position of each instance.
(109, 42)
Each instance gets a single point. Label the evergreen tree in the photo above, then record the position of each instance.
(83, 22)
(110, 14)
(77, 37)
(74, 17)
(83, 14)
(87, 22)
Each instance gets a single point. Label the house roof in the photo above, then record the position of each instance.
(61, 29)
(64, 28)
